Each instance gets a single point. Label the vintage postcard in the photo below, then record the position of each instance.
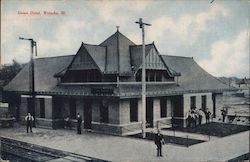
(124, 80)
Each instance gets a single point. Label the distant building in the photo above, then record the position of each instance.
(102, 83)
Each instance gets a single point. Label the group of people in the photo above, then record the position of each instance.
(195, 116)
(30, 121)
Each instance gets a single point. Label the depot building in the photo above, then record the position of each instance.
(103, 83)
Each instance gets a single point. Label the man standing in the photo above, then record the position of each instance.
(29, 121)
(223, 113)
(158, 142)
(207, 114)
(79, 124)
(200, 112)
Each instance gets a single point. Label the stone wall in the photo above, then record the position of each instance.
(114, 115)
(117, 129)
(218, 104)
(48, 107)
(96, 112)
(198, 96)
(198, 105)
(124, 111)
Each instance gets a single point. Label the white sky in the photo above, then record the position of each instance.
(215, 34)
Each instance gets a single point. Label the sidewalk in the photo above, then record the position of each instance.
(116, 148)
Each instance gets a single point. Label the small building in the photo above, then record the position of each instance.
(103, 83)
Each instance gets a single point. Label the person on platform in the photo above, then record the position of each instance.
(223, 114)
(207, 114)
(200, 113)
(158, 142)
(189, 120)
(79, 124)
(29, 121)
(67, 122)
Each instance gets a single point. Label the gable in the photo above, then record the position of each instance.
(153, 61)
(83, 61)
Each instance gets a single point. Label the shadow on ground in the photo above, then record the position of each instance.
(183, 141)
(215, 129)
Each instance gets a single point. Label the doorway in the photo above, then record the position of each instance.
(149, 112)
(214, 105)
(87, 114)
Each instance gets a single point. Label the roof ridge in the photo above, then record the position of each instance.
(125, 36)
(141, 44)
(53, 57)
(116, 33)
(93, 44)
(177, 56)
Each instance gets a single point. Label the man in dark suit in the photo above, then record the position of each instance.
(158, 142)
(29, 121)
(207, 114)
(223, 113)
(79, 124)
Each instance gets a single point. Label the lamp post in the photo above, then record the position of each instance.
(31, 74)
(143, 79)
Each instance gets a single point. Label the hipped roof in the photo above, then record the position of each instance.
(193, 77)
(44, 71)
(106, 55)
(118, 55)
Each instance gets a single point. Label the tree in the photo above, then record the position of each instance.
(8, 72)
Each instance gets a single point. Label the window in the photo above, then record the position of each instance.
(104, 112)
(203, 102)
(158, 77)
(72, 108)
(192, 102)
(163, 105)
(29, 107)
(133, 110)
(151, 76)
(42, 108)
(57, 108)
(82, 76)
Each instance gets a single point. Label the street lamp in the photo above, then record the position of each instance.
(31, 74)
(141, 23)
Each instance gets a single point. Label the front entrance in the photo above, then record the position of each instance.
(149, 112)
(87, 114)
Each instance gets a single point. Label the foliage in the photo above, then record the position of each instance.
(8, 72)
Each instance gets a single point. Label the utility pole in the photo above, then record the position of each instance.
(31, 74)
(143, 79)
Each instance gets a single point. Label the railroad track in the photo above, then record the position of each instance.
(18, 151)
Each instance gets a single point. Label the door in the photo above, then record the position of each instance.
(87, 114)
(149, 112)
(214, 105)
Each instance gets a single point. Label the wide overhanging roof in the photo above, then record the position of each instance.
(193, 78)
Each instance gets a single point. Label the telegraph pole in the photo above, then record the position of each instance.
(31, 74)
(143, 79)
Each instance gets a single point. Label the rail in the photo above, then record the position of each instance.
(32, 152)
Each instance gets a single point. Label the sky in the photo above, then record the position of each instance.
(215, 34)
